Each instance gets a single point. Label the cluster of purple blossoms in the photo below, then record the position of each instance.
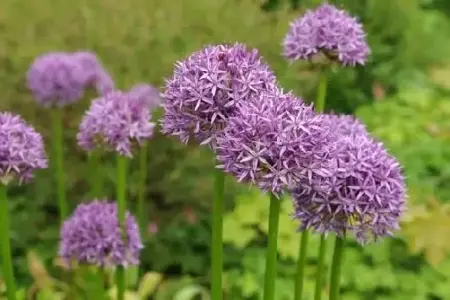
(328, 30)
(60, 78)
(92, 236)
(146, 94)
(208, 86)
(363, 195)
(21, 149)
(275, 141)
(115, 122)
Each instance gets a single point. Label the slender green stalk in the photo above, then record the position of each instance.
(217, 231)
(336, 267)
(321, 93)
(142, 207)
(320, 268)
(101, 292)
(303, 249)
(121, 184)
(8, 272)
(96, 180)
(58, 161)
(272, 249)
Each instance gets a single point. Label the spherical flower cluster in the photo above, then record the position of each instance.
(328, 30)
(21, 149)
(364, 195)
(146, 94)
(116, 122)
(59, 78)
(347, 125)
(207, 87)
(274, 141)
(92, 236)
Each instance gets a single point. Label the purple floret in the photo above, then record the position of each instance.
(115, 122)
(207, 87)
(21, 149)
(146, 94)
(329, 30)
(92, 236)
(364, 195)
(274, 141)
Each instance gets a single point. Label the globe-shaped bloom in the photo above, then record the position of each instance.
(274, 141)
(59, 78)
(347, 125)
(92, 236)
(115, 122)
(146, 94)
(21, 149)
(364, 195)
(328, 30)
(208, 86)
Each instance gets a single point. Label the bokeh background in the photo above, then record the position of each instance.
(403, 95)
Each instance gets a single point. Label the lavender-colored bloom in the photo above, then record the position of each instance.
(207, 87)
(116, 122)
(59, 78)
(146, 94)
(347, 125)
(92, 236)
(275, 141)
(364, 195)
(329, 30)
(21, 149)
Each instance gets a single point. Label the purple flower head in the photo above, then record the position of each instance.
(93, 72)
(146, 94)
(115, 122)
(348, 125)
(92, 236)
(208, 86)
(364, 195)
(328, 30)
(21, 149)
(274, 141)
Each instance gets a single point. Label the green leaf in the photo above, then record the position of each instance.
(192, 292)
(236, 234)
(148, 284)
(132, 276)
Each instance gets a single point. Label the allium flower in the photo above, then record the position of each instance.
(116, 122)
(328, 30)
(93, 72)
(275, 141)
(92, 236)
(59, 79)
(364, 195)
(146, 94)
(347, 125)
(21, 149)
(207, 87)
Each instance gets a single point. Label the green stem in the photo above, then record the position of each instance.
(321, 93)
(8, 272)
(142, 207)
(58, 161)
(336, 267)
(299, 281)
(216, 239)
(96, 180)
(272, 249)
(121, 184)
(320, 268)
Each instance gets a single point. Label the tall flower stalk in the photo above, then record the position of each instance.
(23, 152)
(142, 188)
(217, 233)
(121, 185)
(96, 182)
(336, 266)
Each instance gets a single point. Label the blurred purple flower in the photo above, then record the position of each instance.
(274, 141)
(92, 236)
(146, 94)
(364, 195)
(115, 122)
(330, 30)
(208, 86)
(21, 149)
(59, 78)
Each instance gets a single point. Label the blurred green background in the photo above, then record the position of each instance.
(403, 95)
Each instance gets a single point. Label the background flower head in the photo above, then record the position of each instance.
(93, 72)
(274, 141)
(363, 195)
(92, 236)
(146, 94)
(328, 30)
(208, 86)
(115, 122)
(21, 149)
